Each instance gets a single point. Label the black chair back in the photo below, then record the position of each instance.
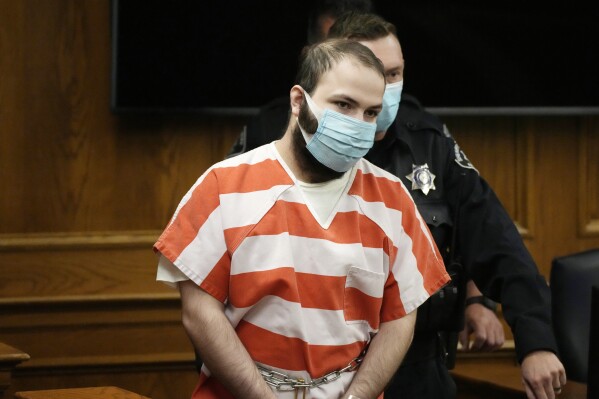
(571, 279)
(593, 374)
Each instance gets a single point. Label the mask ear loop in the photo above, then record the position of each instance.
(316, 111)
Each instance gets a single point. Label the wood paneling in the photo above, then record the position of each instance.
(134, 341)
(499, 378)
(68, 164)
(62, 265)
(85, 193)
(588, 179)
(159, 380)
(80, 393)
(9, 358)
(545, 171)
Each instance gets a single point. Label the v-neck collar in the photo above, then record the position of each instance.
(347, 180)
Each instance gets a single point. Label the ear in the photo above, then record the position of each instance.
(296, 98)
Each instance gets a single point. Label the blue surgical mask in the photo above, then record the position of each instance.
(391, 100)
(340, 140)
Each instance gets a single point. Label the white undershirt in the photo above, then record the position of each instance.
(322, 197)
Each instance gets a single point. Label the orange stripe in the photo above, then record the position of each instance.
(235, 235)
(429, 261)
(184, 228)
(217, 281)
(312, 291)
(210, 388)
(321, 292)
(297, 220)
(205, 199)
(374, 189)
(246, 178)
(361, 306)
(293, 353)
(249, 288)
(392, 307)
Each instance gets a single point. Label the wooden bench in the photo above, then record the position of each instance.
(81, 393)
(9, 359)
(499, 378)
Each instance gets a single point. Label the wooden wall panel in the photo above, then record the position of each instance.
(171, 381)
(503, 154)
(68, 164)
(51, 266)
(135, 342)
(588, 179)
(12, 121)
(89, 312)
(71, 166)
(85, 193)
(539, 167)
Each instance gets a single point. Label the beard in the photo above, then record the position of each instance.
(315, 171)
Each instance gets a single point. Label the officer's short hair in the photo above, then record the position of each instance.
(332, 8)
(361, 26)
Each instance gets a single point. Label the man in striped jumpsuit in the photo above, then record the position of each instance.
(299, 261)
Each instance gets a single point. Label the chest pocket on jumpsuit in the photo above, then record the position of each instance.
(441, 311)
(363, 296)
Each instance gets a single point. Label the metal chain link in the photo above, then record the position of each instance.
(282, 382)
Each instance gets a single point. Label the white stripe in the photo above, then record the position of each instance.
(206, 249)
(243, 209)
(252, 157)
(168, 273)
(369, 168)
(409, 279)
(389, 220)
(289, 319)
(368, 282)
(306, 255)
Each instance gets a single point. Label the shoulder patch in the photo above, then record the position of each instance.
(461, 158)
(446, 131)
(240, 145)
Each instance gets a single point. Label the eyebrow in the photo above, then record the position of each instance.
(354, 102)
(394, 69)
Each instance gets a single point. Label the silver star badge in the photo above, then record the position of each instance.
(422, 178)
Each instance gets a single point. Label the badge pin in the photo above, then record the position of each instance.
(422, 178)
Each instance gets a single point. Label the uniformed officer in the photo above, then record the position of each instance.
(470, 226)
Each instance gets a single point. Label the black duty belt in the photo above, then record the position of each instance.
(425, 345)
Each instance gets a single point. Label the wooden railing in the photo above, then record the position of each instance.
(9, 358)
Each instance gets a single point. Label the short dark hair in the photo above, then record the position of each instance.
(332, 8)
(361, 26)
(316, 59)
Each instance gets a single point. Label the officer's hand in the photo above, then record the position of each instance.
(543, 375)
(485, 328)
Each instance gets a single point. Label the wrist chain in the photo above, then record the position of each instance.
(283, 382)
